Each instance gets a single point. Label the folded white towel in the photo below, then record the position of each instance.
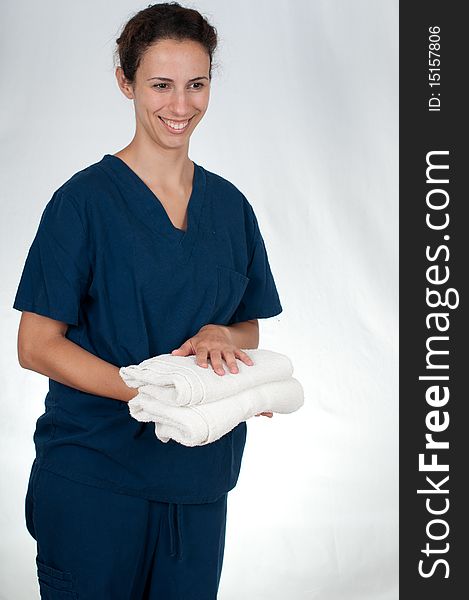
(206, 423)
(180, 381)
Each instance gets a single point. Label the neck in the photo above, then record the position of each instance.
(168, 168)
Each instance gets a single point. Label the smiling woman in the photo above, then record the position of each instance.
(176, 102)
(144, 252)
(168, 105)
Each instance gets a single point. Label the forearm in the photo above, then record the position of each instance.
(64, 361)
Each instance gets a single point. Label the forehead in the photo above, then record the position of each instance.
(172, 57)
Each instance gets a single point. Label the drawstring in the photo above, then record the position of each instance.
(178, 508)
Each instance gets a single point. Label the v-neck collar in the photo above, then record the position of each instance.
(155, 214)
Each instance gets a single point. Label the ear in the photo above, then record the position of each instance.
(124, 85)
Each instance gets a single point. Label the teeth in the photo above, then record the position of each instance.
(175, 124)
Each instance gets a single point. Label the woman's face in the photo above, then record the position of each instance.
(171, 83)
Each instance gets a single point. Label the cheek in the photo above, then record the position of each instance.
(150, 102)
(201, 102)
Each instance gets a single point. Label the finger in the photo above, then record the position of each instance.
(201, 357)
(231, 361)
(244, 357)
(183, 350)
(194, 351)
(217, 364)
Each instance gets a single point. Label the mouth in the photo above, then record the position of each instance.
(175, 126)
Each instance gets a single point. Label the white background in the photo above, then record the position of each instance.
(303, 119)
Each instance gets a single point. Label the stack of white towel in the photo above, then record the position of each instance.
(195, 406)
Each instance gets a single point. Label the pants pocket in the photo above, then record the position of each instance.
(29, 501)
(55, 584)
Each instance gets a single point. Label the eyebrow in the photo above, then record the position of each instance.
(172, 81)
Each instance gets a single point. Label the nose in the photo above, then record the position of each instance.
(179, 105)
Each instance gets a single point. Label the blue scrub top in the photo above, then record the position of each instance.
(107, 260)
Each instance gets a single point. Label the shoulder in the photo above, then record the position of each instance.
(225, 192)
(90, 181)
(231, 207)
(78, 194)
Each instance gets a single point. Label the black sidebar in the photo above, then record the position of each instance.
(433, 306)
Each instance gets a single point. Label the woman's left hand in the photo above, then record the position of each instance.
(214, 342)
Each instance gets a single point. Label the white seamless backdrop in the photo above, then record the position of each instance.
(303, 118)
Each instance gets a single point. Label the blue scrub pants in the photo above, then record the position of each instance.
(95, 544)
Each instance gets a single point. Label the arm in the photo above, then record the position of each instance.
(43, 347)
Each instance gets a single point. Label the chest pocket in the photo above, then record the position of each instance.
(229, 292)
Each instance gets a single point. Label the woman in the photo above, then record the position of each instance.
(142, 253)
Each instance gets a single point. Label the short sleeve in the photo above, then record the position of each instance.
(56, 273)
(260, 299)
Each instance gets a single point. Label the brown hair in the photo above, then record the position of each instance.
(168, 20)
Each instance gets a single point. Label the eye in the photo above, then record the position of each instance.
(198, 83)
(158, 84)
